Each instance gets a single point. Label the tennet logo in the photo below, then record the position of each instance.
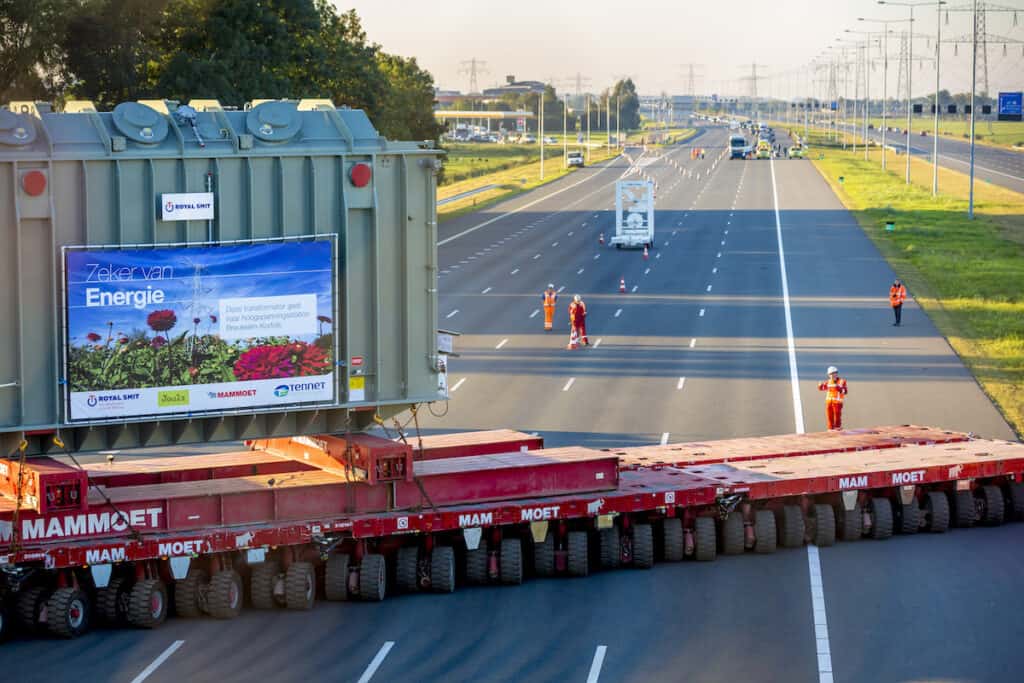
(281, 391)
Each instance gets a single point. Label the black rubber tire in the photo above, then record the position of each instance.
(610, 547)
(336, 577)
(67, 612)
(112, 602)
(881, 518)
(6, 620)
(674, 540)
(147, 606)
(792, 527)
(824, 525)
(704, 539)
(477, 562)
(442, 569)
(407, 569)
(1013, 494)
(510, 561)
(262, 578)
(936, 511)
(851, 524)
(995, 507)
(225, 596)
(373, 578)
(29, 606)
(964, 512)
(578, 555)
(732, 534)
(300, 586)
(765, 534)
(643, 546)
(544, 556)
(188, 593)
(910, 518)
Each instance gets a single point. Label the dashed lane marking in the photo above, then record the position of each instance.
(536, 256)
(618, 312)
(664, 438)
(456, 386)
(560, 289)
(535, 312)
(597, 256)
(701, 313)
(378, 659)
(647, 271)
(596, 664)
(453, 314)
(680, 384)
(579, 272)
(517, 270)
(634, 288)
(709, 288)
(486, 289)
(501, 343)
(155, 664)
(597, 343)
(693, 342)
(714, 270)
(568, 385)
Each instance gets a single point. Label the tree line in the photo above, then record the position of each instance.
(235, 51)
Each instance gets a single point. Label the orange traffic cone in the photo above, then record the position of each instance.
(600, 238)
(645, 253)
(622, 285)
(574, 340)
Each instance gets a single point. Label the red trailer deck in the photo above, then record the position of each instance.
(205, 539)
(434, 446)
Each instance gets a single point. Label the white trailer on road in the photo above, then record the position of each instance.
(634, 214)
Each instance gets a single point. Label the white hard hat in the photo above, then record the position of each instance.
(832, 369)
(576, 297)
(550, 286)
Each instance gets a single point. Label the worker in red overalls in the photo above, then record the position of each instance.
(550, 296)
(578, 320)
(897, 295)
(835, 386)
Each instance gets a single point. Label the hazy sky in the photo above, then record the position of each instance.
(652, 41)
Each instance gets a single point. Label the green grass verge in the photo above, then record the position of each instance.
(967, 275)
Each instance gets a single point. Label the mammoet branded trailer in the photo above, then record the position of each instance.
(634, 214)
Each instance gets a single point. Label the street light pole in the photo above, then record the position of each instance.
(565, 130)
(935, 125)
(588, 128)
(910, 71)
(974, 85)
(618, 102)
(541, 131)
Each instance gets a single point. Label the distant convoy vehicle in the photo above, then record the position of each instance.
(764, 150)
(574, 159)
(738, 147)
(795, 152)
(634, 214)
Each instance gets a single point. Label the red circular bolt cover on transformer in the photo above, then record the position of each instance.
(360, 174)
(34, 183)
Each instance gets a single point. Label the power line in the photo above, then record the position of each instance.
(473, 67)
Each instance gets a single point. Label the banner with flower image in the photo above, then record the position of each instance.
(183, 330)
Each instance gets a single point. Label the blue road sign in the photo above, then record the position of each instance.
(1010, 106)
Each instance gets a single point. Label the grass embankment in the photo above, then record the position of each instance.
(967, 275)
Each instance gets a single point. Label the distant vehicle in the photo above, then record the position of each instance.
(871, 126)
(574, 159)
(527, 139)
(737, 147)
(548, 140)
(634, 214)
(764, 149)
(796, 152)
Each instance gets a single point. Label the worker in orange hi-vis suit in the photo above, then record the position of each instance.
(897, 295)
(578, 319)
(550, 296)
(836, 388)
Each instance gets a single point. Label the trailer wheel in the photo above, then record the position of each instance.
(112, 602)
(300, 586)
(1014, 496)
(851, 524)
(579, 561)
(643, 546)
(765, 534)
(510, 561)
(705, 542)
(824, 526)
(225, 597)
(188, 598)
(442, 569)
(732, 534)
(67, 612)
(407, 569)
(964, 511)
(29, 606)
(476, 565)
(793, 527)
(373, 578)
(5, 621)
(611, 547)
(544, 556)
(881, 518)
(147, 606)
(672, 533)
(261, 585)
(936, 510)
(910, 518)
(995, 508)
(336, 577)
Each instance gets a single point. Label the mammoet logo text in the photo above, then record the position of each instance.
(91, 524)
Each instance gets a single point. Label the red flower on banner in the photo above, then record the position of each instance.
(297, 359)
(158, 342)
(162, 320)
(93, 337)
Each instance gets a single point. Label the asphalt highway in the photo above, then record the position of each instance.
(698, 347)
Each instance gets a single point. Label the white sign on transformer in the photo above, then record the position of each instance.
(188, 206)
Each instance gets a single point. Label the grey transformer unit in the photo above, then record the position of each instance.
(277, 170)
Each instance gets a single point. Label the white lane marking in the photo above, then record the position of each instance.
(155, 664)
(680, 383)
(647, 271)
(501, 343)
(597, 343)
(822, 647)
(990, 170)
(723, 243)
(570, 233)
(487, 289)
(569, 384)
(463, 262)
(456, 386)
(596, 664)
(714, 270)
(664, 438)
(718, 255)
(726, 232)
(554, 244)
(579, 272)
(702, 312)
(693, 342)
(634, 288)
(709, 288)
(597, 256)
(535, 312)
(378, 659)
(560, 289)
(536, 256)
(618, 312)
(514, 271)
(452, 314)
(658, 255)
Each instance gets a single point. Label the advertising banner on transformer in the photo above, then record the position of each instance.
(184, 330)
